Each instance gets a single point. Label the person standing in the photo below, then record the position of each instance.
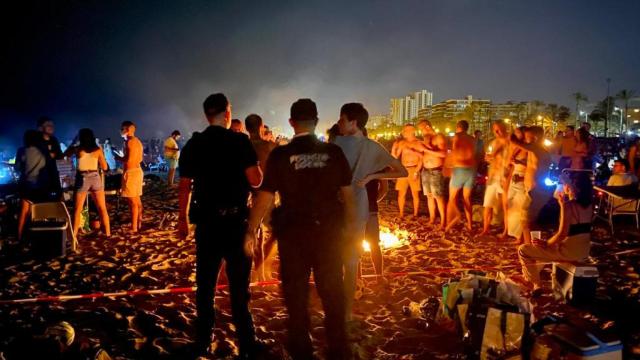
(494, 192)
(236, 126)
(133, 176)
(516, 165)
(107, 148)
(49, 145)
(310, 177)
(411, 159)
(434, 149)
(171, 154)
(33, 182)
(368, 161)
(222, 167)
(254, 125)
(581, 151)
(536, 195)
(567, 148)
(88, 180)
(463, 156)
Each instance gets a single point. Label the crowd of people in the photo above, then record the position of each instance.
(318, 200)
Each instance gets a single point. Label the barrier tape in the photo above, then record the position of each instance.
(184, 290)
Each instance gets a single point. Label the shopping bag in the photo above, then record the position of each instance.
(504, 334)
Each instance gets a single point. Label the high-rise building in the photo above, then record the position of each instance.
(397, 111)
(406, 109)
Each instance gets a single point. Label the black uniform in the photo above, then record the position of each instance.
(308, 175)
(216, 160)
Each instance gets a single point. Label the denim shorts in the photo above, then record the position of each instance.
(463, 177)
(89, 182)
(433, 182)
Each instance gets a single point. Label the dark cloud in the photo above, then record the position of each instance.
(95, 63)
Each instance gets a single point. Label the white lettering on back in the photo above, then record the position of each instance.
(309, 161)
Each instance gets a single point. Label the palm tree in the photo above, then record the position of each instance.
(625, 95)
(579, 97)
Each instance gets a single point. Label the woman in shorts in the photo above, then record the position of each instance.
(90, 158)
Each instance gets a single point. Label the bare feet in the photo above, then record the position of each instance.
(452, 223)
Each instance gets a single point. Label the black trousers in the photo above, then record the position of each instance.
(217, 239)
(301, 250)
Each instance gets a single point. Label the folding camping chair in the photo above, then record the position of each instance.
(618, 200)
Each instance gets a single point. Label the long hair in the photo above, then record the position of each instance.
(583, 188)
(87, 140)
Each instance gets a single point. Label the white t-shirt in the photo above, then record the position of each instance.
(622, 179)
(365, 157)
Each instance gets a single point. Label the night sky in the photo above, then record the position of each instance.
(97, 63)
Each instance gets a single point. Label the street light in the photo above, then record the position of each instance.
(507, 120)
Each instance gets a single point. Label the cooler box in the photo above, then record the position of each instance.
(48, 237)
(574, 283)
(50, 230)
(572, 343)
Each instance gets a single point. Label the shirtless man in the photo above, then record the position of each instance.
(495, 191)
(538, 161)
(434, 151)
(256, 129)
(463, 177)
(411, 159)
(133, 175)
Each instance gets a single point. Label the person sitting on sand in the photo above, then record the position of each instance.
(572, 241)
(411, 159)
(496, 155)
(90, 160)
(368, 161)
(463, 147)
(536, 195)
(133, 176)
(311, 177)
(222, 167)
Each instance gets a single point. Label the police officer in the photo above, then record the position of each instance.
(222, 167)
(310, 176)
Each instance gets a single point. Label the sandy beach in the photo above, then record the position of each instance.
(144, 326)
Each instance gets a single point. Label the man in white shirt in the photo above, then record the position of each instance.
(621, 175)
(171, 154)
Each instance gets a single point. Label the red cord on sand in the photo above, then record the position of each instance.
(183, 290)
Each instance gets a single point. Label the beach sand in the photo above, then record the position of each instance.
(161, 326)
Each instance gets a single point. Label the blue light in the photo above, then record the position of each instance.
(549, 182)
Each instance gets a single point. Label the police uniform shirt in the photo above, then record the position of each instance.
(216, 160)
(308, 175)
